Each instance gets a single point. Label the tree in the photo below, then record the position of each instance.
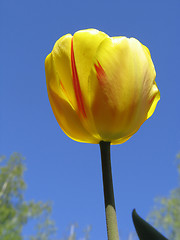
(72, 233)
(16, 212)
(166, 214)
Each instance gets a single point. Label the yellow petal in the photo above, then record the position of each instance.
(63, 110)
(62, 66)
(85, 44)
(120, 81)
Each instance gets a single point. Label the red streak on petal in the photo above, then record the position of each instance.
(151, 100)
(76, 84)
(64, 90)
(101, 75)
(62, 85)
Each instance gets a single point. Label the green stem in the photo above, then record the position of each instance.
(111, 220)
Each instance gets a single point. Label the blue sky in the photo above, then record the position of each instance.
(59, 169)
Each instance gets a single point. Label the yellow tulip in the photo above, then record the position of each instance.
(100, 88)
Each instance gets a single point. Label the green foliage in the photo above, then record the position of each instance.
(166, 214)
(15, 212)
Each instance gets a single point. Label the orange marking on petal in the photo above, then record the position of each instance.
(101, 75)
(151, 100)
(76, 84)
(64, 90)
(62, 85)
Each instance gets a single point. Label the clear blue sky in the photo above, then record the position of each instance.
(65, 172)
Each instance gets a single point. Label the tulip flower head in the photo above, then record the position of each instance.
(100, 88)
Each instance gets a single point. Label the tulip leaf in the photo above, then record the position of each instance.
(144, 230)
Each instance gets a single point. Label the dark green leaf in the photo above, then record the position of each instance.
(144, 230)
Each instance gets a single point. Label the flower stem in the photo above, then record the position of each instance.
(111, 220)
